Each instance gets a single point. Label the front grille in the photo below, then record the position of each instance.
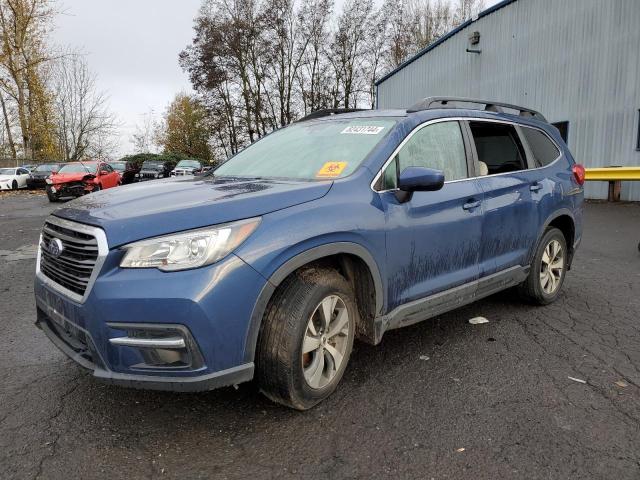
(149, 176)
(72, 269)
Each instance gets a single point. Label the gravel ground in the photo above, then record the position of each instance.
(441, 399)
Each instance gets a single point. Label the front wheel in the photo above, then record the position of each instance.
(306, 338)
(14, 185)
(53, 197)
(548, 269)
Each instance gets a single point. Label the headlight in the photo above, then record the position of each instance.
(190, 249)
(49, 181)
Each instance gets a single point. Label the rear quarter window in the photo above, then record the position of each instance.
(543, 149)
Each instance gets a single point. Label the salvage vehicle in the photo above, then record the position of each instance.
(127, 171)
(187, 167)
(38, 176)
(75, 179)
(13, 178)
(155, 169)
(339, 226)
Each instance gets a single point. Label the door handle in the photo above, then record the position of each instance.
(535, 187)
(471, 205)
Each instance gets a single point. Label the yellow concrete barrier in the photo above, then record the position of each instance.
(612, 174)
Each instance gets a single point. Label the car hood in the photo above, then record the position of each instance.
(149, 209)
(67, 177)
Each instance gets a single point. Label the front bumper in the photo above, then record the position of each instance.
(36, 182)
(71, 189)
(213, 304)
(5, 185)
(77, 344)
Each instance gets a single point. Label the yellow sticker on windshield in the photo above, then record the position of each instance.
(331, 169)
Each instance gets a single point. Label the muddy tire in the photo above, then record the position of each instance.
(548, 269)
(306, 338)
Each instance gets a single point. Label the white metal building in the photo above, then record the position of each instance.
(576, 61)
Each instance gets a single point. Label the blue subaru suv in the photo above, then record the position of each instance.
(340, 226)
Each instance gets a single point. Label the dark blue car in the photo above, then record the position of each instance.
(337, 227)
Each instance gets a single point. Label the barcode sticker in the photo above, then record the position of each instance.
(362, 130)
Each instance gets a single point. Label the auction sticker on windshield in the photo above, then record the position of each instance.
(331, 169)
(363, 129)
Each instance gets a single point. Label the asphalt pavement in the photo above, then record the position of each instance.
(538, 392)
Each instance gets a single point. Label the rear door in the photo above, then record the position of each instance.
(511, 192)
(433, 239)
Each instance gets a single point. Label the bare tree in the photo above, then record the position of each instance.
(85, 126)
(314, 74)
(144, 138)
(23, 32)
(348, 50)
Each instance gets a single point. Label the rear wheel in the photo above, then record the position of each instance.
(548, 269)
(306, 338)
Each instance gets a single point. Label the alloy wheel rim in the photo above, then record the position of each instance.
(551, 267)
(325, 342)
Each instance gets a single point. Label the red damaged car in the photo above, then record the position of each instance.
(75, 179)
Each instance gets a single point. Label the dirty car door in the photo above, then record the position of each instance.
(433, 239)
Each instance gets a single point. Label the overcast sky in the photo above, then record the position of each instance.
(133, 47)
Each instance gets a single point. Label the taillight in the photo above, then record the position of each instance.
(579, 173)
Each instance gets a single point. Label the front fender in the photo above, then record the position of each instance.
(297, 261)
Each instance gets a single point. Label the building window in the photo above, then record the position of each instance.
(563, 128)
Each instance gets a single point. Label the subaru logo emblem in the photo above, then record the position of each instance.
(55, 247)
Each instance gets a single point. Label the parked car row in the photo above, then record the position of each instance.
(73, 179)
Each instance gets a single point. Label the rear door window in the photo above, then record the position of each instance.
(543, 149)
(498, 147)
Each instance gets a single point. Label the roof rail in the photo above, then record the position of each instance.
(430, 103)
(329, 111)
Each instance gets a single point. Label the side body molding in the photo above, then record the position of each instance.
(292, 265)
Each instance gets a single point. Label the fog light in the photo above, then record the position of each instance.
(160, 346)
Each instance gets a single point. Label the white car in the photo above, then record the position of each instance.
(13, 178)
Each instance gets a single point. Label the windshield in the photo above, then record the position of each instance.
(7, 171)
(119, 166)
(45, 168)
(309, 150)
(188, 163)
(76, 168)
(151, 165)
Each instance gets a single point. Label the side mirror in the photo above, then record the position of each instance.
(418, 179)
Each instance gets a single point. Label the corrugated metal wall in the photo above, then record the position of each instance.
(573, 60)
